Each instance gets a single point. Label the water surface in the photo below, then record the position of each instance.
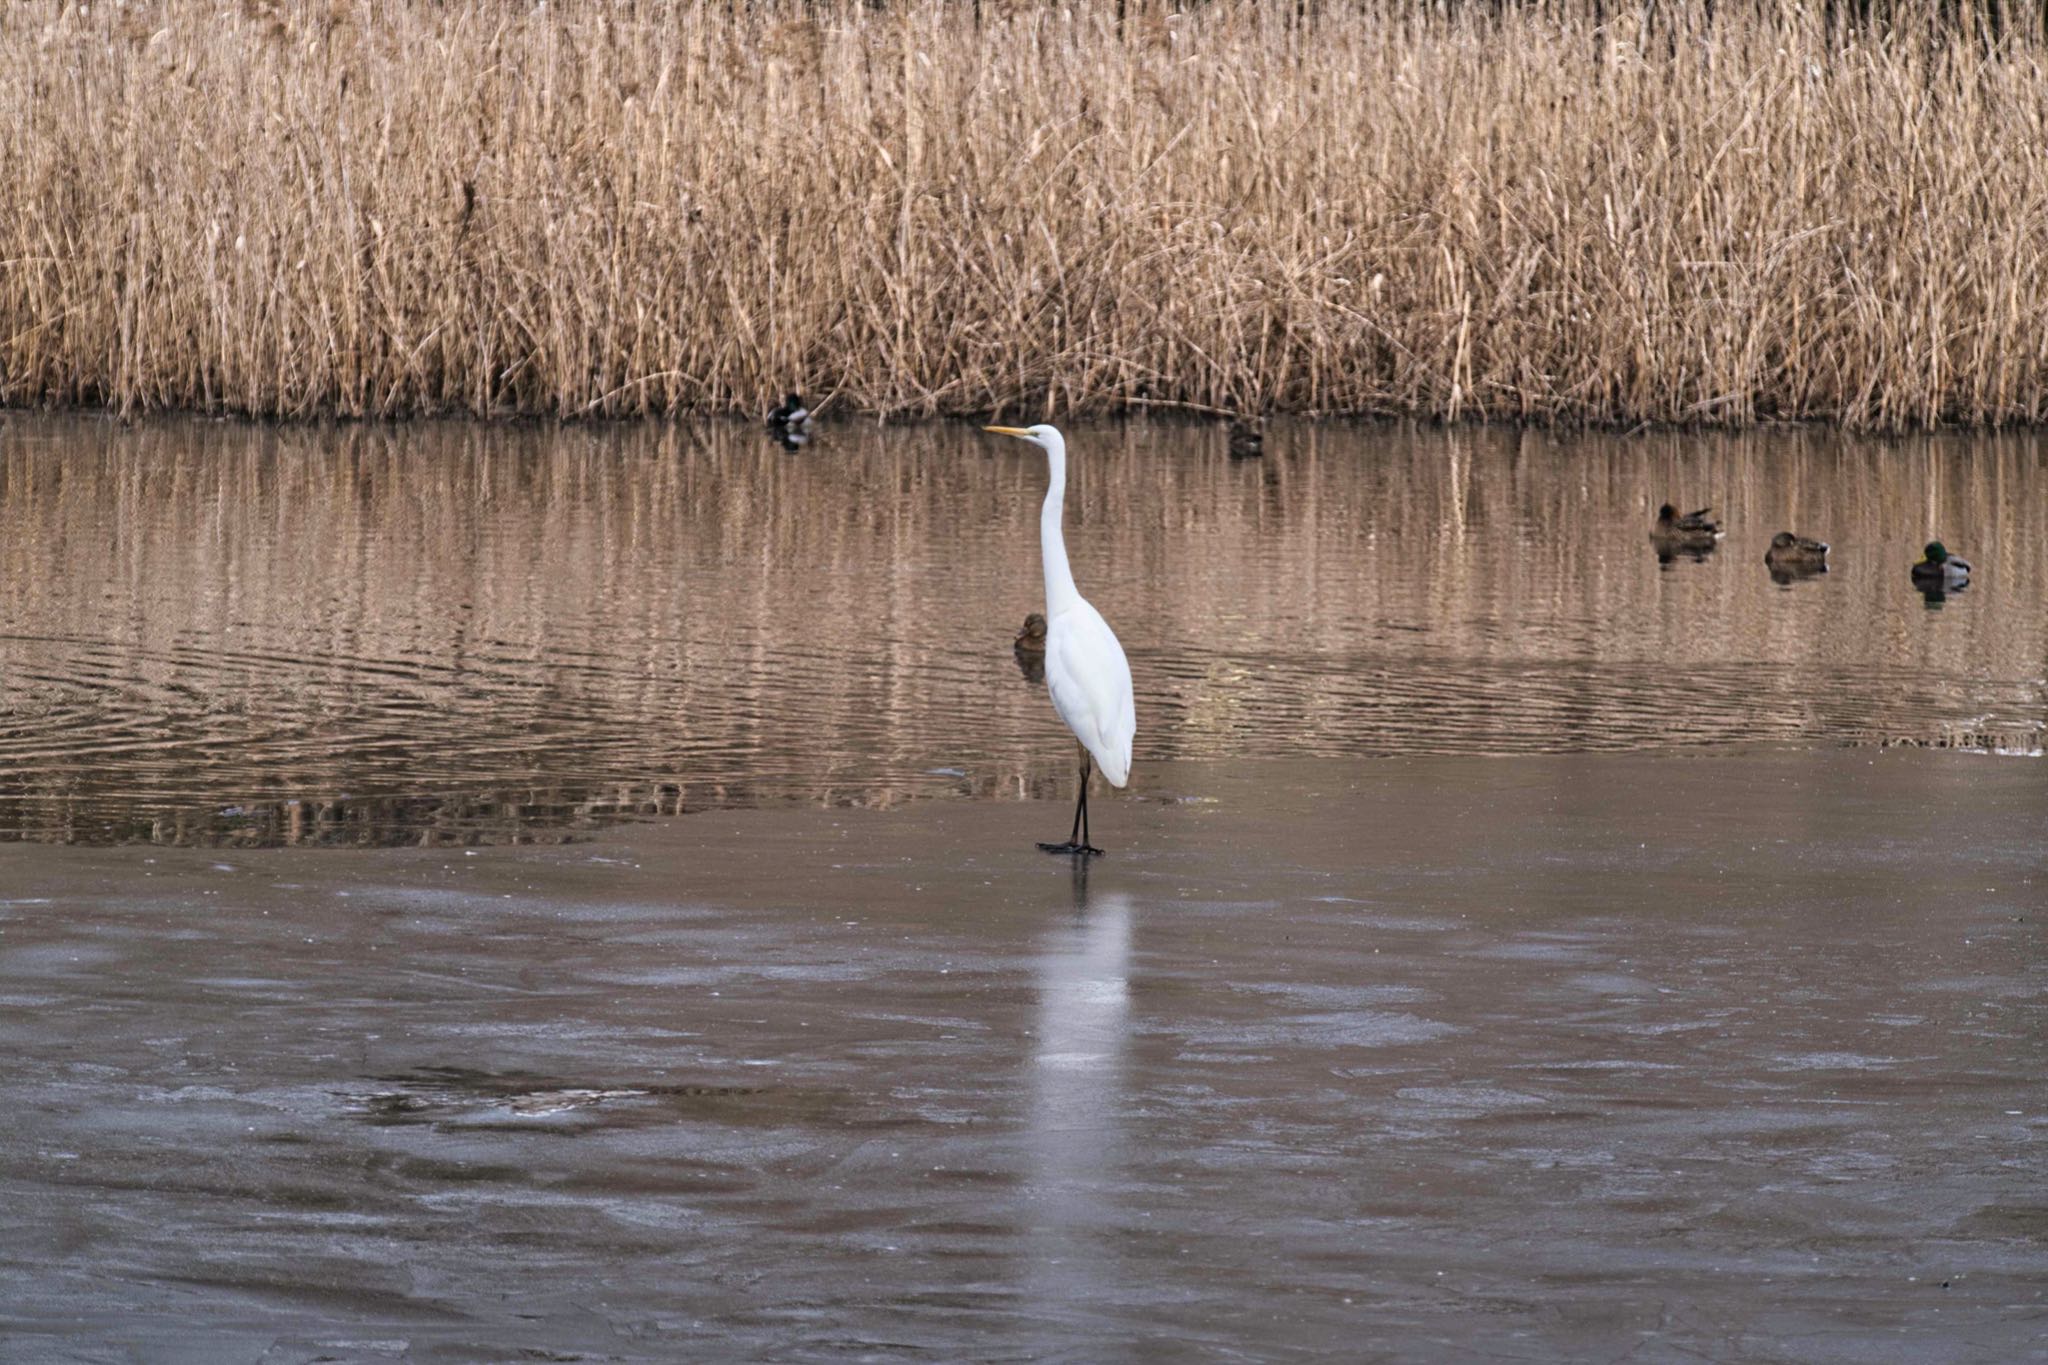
(1584, 1057)
(212, 631)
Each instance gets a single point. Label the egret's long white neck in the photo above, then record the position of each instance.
(1060, 592)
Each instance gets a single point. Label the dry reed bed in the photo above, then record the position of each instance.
(613, 209)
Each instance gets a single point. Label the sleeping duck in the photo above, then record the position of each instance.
(1792, 556)
(1937, 568)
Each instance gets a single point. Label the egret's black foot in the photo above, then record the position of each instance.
(1078, 850)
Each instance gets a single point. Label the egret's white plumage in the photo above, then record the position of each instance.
(1090, 683)
(1085, 668)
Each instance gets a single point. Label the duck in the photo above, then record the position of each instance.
(1937, 568)
(1792, 555)
(1247, 438)
(1029, 649)
(1692, 530)
(789, 415)
(1694, 535)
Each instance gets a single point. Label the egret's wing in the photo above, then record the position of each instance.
(1090, 681)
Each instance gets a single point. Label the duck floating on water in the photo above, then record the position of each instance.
(1694, 533)
(1795, 556)
(1031, 636)
(1938, 569)
(1029, 648)
(1247, 438)
(1691, 527)
(789, 422)
(789, 413)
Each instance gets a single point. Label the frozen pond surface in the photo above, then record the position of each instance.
(216, 633)
(1735, 1056)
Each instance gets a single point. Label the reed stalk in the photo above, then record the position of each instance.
(1547, 212)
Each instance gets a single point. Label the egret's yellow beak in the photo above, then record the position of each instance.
(1008, 431)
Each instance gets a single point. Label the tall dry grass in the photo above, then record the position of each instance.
(376, 208)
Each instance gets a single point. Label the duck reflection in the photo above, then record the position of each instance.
(1077, 1085)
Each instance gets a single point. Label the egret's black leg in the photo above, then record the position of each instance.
(1087, 770)
(1077, 838)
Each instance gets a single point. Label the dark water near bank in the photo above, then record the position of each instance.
(212, 632)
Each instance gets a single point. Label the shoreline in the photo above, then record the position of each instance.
(1193, 416)
(410, 821)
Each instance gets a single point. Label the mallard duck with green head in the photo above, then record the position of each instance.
(1937, 568)
(1794, 555)
(791, 414)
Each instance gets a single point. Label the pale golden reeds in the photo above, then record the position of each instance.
(373, 208)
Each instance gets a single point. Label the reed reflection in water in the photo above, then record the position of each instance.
(216, 631)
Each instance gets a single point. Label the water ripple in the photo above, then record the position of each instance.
(446, 632)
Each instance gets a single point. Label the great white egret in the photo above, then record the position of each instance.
(1085, 668)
